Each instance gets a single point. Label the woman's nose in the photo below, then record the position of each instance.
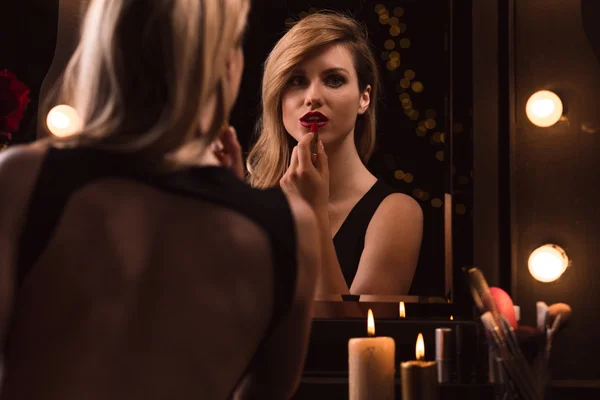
(314, 96)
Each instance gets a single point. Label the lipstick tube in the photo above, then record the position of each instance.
(314, 128)
(444, 354)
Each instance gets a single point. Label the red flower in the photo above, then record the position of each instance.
(14, 97)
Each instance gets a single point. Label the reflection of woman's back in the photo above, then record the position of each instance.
(146, 254)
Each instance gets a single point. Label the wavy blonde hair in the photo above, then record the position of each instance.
(269, 157)
(144, 69)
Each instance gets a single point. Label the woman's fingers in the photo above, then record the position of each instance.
(322, 163)
(228, 151)
(234, 151)
(294, 160)
(304, 154)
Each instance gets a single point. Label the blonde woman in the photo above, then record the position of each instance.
(135, 264)
(322, 72)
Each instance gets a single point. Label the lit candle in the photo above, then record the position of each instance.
(402, 310)
(371, 365)
(419, 378)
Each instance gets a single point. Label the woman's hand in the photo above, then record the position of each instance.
(311, 182)
(228, 150)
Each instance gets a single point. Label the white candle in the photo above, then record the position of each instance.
(419, 378)
(371, 366)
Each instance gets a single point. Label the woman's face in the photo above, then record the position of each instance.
(324, 90)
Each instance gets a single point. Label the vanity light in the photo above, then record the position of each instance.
(63, 120)
(544, 108)
(548, 262)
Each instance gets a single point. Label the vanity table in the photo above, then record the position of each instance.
(325, 373)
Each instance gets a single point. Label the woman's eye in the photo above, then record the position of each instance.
(335, 80)
(295, 81)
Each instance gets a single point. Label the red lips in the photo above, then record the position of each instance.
(313, 117)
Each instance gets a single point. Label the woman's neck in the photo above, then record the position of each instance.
(348, 176)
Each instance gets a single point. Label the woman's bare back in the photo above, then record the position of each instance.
(140, 294)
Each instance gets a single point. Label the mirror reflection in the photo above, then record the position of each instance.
(372, 81)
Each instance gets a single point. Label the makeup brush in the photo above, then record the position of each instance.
(482, 295)
(541, 312)
(561, 310)
(515, 366)
(558, 316)
(541, 361)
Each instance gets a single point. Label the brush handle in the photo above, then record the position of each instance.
(514, 361)
(482, 294)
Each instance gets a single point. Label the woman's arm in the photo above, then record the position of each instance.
(391, 252)
(279, 367)
(311, 182)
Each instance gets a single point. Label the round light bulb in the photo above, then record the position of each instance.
(548, 262)
(63, 120)
(544, 108)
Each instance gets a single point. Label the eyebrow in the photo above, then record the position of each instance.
(327, 71)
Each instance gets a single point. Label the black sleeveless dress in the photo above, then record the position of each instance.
(65, 170)
(349, 241)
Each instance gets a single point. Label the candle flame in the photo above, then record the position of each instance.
(420, 348)
(402, 310)
(451, 317)
(370, 324)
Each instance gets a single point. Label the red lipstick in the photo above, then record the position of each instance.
(313, 117)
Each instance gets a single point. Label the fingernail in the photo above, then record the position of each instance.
(321, 146)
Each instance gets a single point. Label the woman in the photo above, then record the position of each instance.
(322, 72)
(135, 262)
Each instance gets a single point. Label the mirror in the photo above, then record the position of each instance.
(419, 113)
(424, 139)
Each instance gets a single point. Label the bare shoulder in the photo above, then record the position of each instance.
(392, 245)
(19, 167)
(20, 155)
(400, 207)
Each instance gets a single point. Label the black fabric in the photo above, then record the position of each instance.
(66, 170)
(349, 241)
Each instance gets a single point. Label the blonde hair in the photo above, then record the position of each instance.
(269, 157)
(143, 71)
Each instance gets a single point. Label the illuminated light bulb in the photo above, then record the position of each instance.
(548, 262)
(544, 108)
(63, 121)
